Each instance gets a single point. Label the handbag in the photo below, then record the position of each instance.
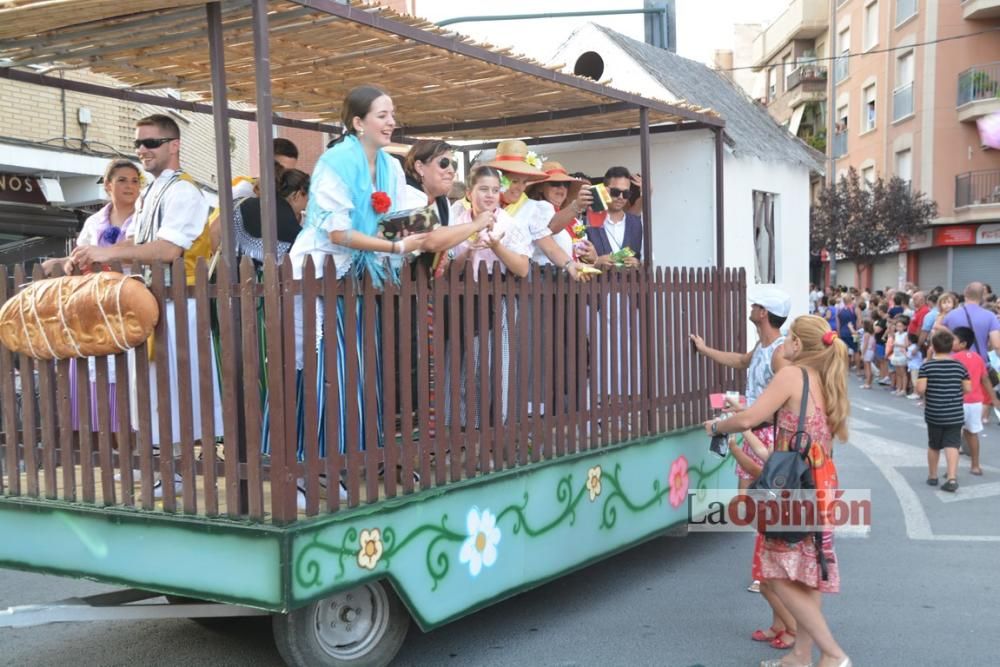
(990, 371)
(791, 470)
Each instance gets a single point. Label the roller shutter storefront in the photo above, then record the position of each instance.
(972, 263)
(847, 273)
(933, 268)
(885, 272)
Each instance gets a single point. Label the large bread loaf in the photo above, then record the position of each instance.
(79, 316)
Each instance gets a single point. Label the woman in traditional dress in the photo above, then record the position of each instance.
(122, 182)
(504, 241)
(564, 193)
(354, 183)
(292, 189)
(796, 571)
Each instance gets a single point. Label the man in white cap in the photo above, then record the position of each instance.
(769, 308)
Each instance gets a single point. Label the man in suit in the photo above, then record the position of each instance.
(619, 229)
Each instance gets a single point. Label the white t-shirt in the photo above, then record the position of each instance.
(539, 229)
(333, 195)
(184, 211)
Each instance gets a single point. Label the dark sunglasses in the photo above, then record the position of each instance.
(446, 162)
(615, 193)
(151, 143)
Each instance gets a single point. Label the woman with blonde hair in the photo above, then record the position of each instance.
(796, 571)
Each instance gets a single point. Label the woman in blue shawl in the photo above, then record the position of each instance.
(354, 183)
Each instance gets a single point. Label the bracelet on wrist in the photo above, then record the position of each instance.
(566, 266)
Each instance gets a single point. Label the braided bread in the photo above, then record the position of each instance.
(79, 316)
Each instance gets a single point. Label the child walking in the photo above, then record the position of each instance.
(868, 351)
(914, 358)
(981, 392)
(942, 382)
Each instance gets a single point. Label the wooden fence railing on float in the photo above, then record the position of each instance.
(388, 375)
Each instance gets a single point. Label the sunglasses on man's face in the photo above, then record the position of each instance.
(616, 193)
(151, 143)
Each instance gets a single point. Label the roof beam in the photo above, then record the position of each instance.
(586, 136)
(448, 128)
(454, 44)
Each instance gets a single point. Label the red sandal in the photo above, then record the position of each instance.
(778, 642)
(760, 636)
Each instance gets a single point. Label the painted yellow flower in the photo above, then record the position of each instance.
(594, 482)
(371, 548)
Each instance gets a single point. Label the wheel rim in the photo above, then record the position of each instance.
(349, 624)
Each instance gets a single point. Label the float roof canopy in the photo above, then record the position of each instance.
(442, 84)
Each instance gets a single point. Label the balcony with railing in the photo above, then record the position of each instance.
(977, 195)
(841, 67)
(803, 19)
(806, 83)
(978, 92)
(839, 144)
(902, 102)
(980, 9)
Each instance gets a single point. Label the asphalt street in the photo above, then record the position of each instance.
(921, 589)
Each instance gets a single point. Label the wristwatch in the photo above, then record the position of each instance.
(715, 427)
(566, 266)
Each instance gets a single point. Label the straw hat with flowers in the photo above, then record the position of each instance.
(555, 173)
(513, 157)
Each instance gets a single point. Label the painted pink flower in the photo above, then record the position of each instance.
(679, 481)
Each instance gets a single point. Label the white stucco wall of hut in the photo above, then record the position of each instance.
(682, 182)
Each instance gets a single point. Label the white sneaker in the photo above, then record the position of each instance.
(913, 397)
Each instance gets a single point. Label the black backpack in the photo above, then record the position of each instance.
(791, 471)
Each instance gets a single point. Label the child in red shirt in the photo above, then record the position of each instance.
(981, 392)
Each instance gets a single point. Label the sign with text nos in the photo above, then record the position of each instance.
(21, 189)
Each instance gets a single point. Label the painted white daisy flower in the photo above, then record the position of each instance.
(480, 547)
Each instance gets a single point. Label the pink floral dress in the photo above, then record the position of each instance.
(798, 562)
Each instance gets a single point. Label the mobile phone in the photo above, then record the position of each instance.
(719, 445)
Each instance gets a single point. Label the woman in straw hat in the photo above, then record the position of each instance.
(520, 167)
(568, 198)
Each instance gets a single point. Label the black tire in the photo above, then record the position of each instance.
(362, 627)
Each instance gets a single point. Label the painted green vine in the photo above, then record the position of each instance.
(378, 548)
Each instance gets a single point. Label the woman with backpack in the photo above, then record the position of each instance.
(810, 396)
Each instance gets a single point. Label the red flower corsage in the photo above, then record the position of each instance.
(381, 202)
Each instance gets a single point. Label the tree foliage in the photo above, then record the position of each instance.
(863, 222)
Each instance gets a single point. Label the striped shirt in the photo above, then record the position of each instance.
(943, 399)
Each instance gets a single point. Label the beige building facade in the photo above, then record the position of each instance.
(906, 81)
(55, 144)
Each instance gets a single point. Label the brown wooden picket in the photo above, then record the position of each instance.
(589, 365)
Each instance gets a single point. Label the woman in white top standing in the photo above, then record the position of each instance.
(354, 183)
(504, 241)
(107, 227)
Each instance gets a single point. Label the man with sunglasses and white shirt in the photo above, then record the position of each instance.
(620, 229)
(170, 221)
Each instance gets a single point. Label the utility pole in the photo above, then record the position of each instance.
(831, 112)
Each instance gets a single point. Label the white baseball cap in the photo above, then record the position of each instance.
(773, 300)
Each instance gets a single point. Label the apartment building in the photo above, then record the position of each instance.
(55, 145)
(909, 79)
